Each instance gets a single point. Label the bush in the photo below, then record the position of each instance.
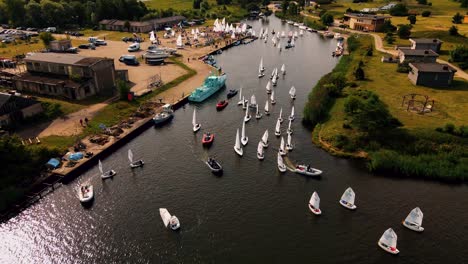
(404, 31)
(460, 55)
(422, 2)
(353, 43)
(426, 13)
(453, 31)
(399, 10)
(388, 26)
(341, 141)
(359, 74)
(449, 128)
(412, 19)
(123, 89)
(327, 19)
(403, 67)
(457, 18)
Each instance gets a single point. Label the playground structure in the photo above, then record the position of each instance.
(418, 103)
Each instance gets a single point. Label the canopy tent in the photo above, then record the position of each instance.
(53, 163)
(75, 156)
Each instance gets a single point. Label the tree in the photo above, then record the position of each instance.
(34, 14)
(46, 38)
(123, 89)
(15, 11)
(205, 5)
(265, 2)
(389, 37)
(196, 4)
(327, 19)
(453, 31)
(127, 25)
(284, 6)
(404, 31)
(359, 74)
(422, 2)
(388, 26)
(464, 3)
(412, 19)
(399, 10)
(426, 13)
(457, 18)
(293, 10)
(252, 7)
(460, 55)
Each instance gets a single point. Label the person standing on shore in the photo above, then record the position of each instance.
(81, 122)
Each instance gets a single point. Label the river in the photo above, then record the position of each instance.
(250, 214)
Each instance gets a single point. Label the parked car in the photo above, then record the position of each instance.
(87, 46)
(31, 29)
(72, 50)
(51, 29)
(100, 42)
(129, 60)
(20, 28)
(8, 40)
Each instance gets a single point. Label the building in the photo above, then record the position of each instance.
(66, 75)
(365, 22)
(140, 27)
(431, 74)
(416, 55)
(60, 45)
(465, 19)
(426, 43)
(14, 109)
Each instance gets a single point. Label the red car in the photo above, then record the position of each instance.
(221, 105)
(207, 139)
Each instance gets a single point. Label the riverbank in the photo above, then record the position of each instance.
(420, 146)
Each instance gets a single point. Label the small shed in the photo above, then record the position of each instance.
(431, 74)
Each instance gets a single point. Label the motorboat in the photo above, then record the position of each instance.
(196, 126)
(207, 139)
(388, 242)
(260, 151)
(414, 220)
(280, 117)
(169, 220)
(282, 150)
(244, 138)
(281, 165)
(289, 145)
(164, 116)
(314, 204)
(347, 199)
(155, 56)
(258, 115)
(231, 93)
(267, 108)
(247, 116)
(237, 147)
(278, 128)
(211, 85)
(292, 92)
(134, 47)
(134, 164)
(221, 105)
(292, 116)
(214, 165)
(86, 193)
(307, 170)
(107, 174)
(265, 139)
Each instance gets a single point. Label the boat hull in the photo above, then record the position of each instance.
(260, 156)
(304, 171)
(89, 197)
(244, 141)
(196, 127)
(388, 249)
(108, 174)
(239, 152)
(213, 169)
(247, 118)
(347, 205)
(315, 211)
(137, 164)
(282, 168)
(162, 121)
(207, 141)
(414, 228)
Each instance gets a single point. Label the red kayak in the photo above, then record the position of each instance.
(207, 139)
(221, 105)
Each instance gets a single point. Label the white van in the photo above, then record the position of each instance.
(51, 29)
(92, 39)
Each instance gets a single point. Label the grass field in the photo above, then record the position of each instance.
(21, 47)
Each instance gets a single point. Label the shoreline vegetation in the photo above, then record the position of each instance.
(355, 112)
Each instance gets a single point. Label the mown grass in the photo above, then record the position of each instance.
(22, 47)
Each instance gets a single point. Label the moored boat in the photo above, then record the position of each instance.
(314, 204)
(211, 85)
(414, 220)
(347, 199)
(388, 242)
(86, 193)
(164, 116)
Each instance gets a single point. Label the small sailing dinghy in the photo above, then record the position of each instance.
(279, 47)
(272, 74)
(291, 116)
(267, 108)
(268, 87)
(264, 139)
(283, 69)
(292, 92)
(247, 116)
(272, 98)
(253, 101)
(414, 220)
(283, 35)
(274, 80)
(260, 151)
(107, 174)
(237, 147)
(307, 170)
(278, 128)
(347, 199)
(258, 115)
(281, 165)
(280, 118)
(261, 69)
(289, 145)
(282, 150)
(289, 131)
(241, 99)
(214, 166)
(86, 193)
(314, 204)
(388, 241)
(244, 138)
(179, 43)
(169, 220)
(134, 164)
(196, 126)
(244, 103)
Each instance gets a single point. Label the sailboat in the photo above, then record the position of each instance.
(414, 220)
(247, 114)
(261, 69)
(179, 43)
(244, 103)
(292, 92)
(134, 164)
(196, 126)
(279, 47)
(289, 131)
(258, 115)
(283, 69)
(244, 138)
(265, 139)
(107, 174)
(278, 128)
(237, 147)
(268, 87)
(272, 98)
(289, 145)
(282, 150)
(280, 117)
(347, 199)
(293, 42)
(260, 151)
(283, 35)
(261, 65)
(241, 99)
(86, 193)
(272, 74)
(168, 220)
(388, 241)
(281, 165)
(274, 80)
(314, 204)
(253, 101)
(301, 32)
(292, 116)
(267, 108)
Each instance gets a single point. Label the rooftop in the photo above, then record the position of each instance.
(420, 52)
(63, 58)
(167, 19)
(425, 40)
(367, 16)
(11, 103)
(432, 67)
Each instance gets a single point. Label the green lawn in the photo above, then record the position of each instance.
(166, 4)
(22, 47)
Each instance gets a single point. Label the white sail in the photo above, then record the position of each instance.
(278, 127)
(223, 21)
(289, 140)
(165, 216)
(261, 65)
(283, 69)
(179, 43)
(292, 91)
(315, 200)
(281, 114)
(268, 87)
(283, 34)
(265, 138)
(194, 118)
(193, 31)
(152, 37)
(100, 167)
(272, 97)
(293, 43)
(415, 217)
(348, 196)
(244, 28)
(260, 148)
(253, 100)
(233, 36)
(279, 46)
(257, 113)
(389, 238)
(130, 155)
(280, 161)
(267, 107)
(197, 31)
(292, 112)
(301, 32)
(238, 144)
(282, 145)
(247, 111)
(243, 131)
(240, 94)
(289, 126)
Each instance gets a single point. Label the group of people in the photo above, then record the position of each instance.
(86, 120)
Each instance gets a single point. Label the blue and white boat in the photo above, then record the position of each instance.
(164, 116)
(211, 85)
